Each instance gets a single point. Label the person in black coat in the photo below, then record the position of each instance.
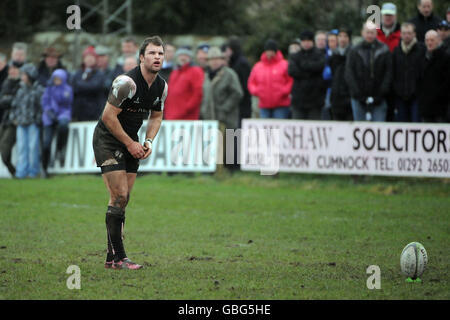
(425, 19)
(8, 91)
(3, 74)
(241, 66)
(368, 73)
(444, 34)
(3, 68)
(49, 63)
(406, 64)
(306, 67)
(434, 92)
(88, 84)
(341, 107)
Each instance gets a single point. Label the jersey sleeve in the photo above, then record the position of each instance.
(159, 104)
(123, 87)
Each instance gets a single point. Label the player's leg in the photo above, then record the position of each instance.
(109, 252)
(131, 178)
(117, 185)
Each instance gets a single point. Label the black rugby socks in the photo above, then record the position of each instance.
(114, 218)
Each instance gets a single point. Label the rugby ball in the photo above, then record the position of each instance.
(413, 260)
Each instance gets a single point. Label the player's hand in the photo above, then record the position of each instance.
(148, 151)
(136, 150)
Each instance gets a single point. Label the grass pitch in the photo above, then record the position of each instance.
(240, 237)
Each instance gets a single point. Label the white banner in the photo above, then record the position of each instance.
(180, 146)
(357, 148)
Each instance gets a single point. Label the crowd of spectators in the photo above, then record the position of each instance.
(397, 72)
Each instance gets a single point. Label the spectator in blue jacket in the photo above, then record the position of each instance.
(57, 110)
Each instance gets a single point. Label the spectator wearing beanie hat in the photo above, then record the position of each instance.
(87, 84)
(26, 116)
(186, 88)
(239, 63)
(271, 83)
(306, 67)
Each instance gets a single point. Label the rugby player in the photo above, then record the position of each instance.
(133, 97)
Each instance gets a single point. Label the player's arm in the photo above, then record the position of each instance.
(123, 87)
(154, 123)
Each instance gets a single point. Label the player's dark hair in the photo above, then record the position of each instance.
(155, 40)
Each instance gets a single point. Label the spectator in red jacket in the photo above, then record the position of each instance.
(186, 89)
(390, 32)
(270, 82)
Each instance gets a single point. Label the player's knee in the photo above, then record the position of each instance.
(119, 199)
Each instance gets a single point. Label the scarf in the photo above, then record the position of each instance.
(388, 31)
(406, 48)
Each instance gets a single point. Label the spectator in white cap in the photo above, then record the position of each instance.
(389, 33)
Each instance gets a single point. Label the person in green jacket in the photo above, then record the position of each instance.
(222, 93)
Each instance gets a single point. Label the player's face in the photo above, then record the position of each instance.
(153, 58)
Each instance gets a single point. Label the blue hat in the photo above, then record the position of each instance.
(443, 25)
(334, 31)
(389, 8)
(204, 47)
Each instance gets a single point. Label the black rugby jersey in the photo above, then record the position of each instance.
(137, 108)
